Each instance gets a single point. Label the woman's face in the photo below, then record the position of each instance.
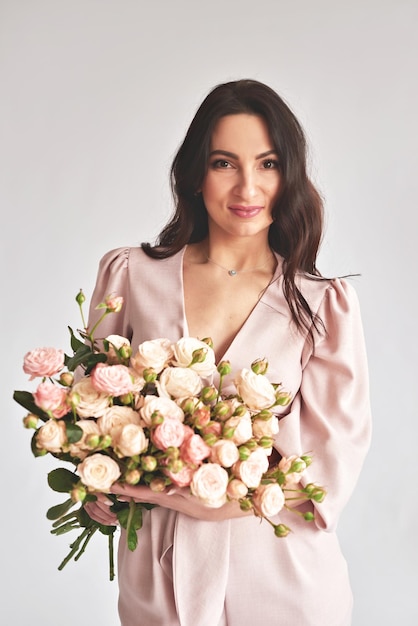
(242, 182)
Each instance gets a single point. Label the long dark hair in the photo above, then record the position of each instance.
(297, 226)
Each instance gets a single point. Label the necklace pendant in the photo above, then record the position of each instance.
(232, 272)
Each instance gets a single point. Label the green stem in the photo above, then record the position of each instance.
(74, 548)
(111, 556)
(85, 543)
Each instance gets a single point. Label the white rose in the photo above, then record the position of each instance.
(180, 382)
(154, 354)
(251, 471)
(285, 465)
(130, 440)
(265, 428)
(165, 406)
(256, 391)
(116, 343)
(183, 355)
(98, 472)
(268, 499)
(209, 483)
(224, 452)
(236, 489)
(51, 436)
(115, 418)
(88, 401)
(243, 428)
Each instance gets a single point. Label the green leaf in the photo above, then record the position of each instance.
(75, 342)
(62, 480)
(78, 358)
(74, 432)
(55, 512)
(25, 399)
(131, 520)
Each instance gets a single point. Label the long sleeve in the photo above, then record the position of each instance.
(330, 416)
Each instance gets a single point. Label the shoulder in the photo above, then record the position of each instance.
(338, 293)
(134, 260)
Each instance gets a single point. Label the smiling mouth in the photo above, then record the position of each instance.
(245, 211)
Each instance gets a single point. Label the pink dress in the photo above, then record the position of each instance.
(187, 572)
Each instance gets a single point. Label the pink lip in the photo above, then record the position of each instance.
(245, 211)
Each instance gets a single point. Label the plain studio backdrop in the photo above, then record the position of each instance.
(96, 97)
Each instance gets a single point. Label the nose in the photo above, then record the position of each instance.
(246, 186)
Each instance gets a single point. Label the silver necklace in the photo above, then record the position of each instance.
(233, 272)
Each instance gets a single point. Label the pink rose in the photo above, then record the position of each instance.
(251, 471)
(115, 380)
(182, 478)
(43, 362)
(209, 484)
(52, 436)
(51, 399)
(224, 452)
(170, 433)
(193, 450)
(114, 303)
(268, 499)
(98, 472)
(212, 428)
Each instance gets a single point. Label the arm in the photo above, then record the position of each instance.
(330, 416)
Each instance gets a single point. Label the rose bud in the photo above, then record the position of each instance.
(244, 453)
(265, 442)
(209, 341)
(265, 414)
(114, 304)
(210, 438)
(126, 398)
(260, 366)
(93, 441)
(223, 410)
(307, 459)
(283, 398)
(281, 530)
(199, 355)
(78, 493)
(245, 504)
(297, 466)
(105, 442)
(157, 484)
(308, 516)
(208, 394)
(149, 463)
(150, 375)
(31, 421)
(236, 489)
(66, 379)
(80, 297)
(133, 476)
(224, 368)
(240, 410)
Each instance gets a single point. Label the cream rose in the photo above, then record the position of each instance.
(209, 484)
(130, 440)
(236, 489)
(251, 471)
(285, 464)
(80, 449)
(98, 472)
(179, 382)
(165, 406)
(268, 499)
(224, 452)
(87, 400)
(265, 428)
(256, 391)
(154, 354)
(243, 428)
(115, 418)
(51, 436)
(116, 342)
(43, 362)
(183, 355)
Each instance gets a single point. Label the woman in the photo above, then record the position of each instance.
(237, 262)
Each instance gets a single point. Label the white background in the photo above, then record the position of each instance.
(96, 97)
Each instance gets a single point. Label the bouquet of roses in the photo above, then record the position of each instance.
(155, 417)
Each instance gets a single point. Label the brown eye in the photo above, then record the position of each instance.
(270, 164)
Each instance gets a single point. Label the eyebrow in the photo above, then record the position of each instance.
(232, 155)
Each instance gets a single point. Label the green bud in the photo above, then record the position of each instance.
(265, 414)
(93, 441)
(307, 458)
(157, 418)
(209, 341)
(149, 463)
(245, 504)
(210, 439)
(66, 379)
(283, 398)
(30, 421)
(223, 410)
(319, 495)
(150, 375)
(244, 453)
(199, 355)
(224, 368)
(208, 394)
(259, 366)
(228, 432)
(308, 516)
(105, 442)
(127, 399)
(281, 530)
(133, 476)
(265, 442)
(298, 466)
(80, 297)
(78, 493)
(240, 410)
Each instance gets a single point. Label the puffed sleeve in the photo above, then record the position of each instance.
(112, 279)
(330, 416)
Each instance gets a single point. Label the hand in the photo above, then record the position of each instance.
(99, 510)
(178, 499)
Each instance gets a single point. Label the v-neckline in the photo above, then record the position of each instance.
(277, 274)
